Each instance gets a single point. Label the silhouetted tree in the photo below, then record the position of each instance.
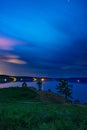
(65, 89)
(39, 83)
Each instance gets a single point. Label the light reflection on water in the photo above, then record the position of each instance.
(79, 89)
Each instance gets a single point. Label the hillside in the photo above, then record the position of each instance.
(29, 94)
(28, 109)
(50, 97)
(17, 94)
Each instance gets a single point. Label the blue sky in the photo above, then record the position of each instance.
(43, 38)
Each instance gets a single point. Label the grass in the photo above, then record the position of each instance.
(17, 94)
(23, 115)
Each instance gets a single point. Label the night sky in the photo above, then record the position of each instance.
(43, 38)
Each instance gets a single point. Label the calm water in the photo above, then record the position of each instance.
(79, 89)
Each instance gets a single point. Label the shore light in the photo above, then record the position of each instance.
(34, 79)
(78, 80)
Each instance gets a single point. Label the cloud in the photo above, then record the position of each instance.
(8, 43)
(15, 61)
(12, 59)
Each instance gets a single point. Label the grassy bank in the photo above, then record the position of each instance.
(25, 115)
(14, 94)
(38, 116)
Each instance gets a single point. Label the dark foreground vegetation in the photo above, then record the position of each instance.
(17, 94)
(24, 109)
